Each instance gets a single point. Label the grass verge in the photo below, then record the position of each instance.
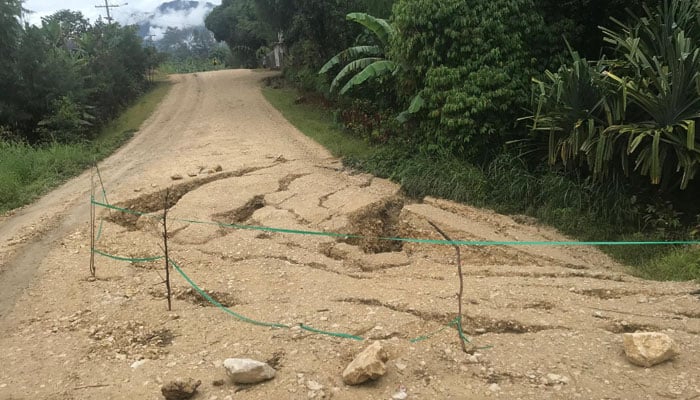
(504, 186)
(317, 124)
(27, 172)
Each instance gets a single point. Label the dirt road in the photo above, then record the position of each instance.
(551, 318)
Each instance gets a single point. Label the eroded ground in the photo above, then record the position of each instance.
(550, 317)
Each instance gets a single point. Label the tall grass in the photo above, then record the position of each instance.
(27, 172)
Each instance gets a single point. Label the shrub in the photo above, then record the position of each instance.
(469, 62)
(637, 113)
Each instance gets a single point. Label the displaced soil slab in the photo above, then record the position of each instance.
(547, 322)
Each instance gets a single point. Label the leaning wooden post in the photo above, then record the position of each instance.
(165, 246)
(92, 223)
(463, 340)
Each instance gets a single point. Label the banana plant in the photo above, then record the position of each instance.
(364, 62)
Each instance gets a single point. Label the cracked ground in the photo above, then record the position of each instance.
(531, 312)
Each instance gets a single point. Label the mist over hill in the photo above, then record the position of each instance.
(178, 14)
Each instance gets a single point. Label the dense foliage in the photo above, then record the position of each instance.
(471, 64)
(312, 31)
(62, 79)
(635, 113)
(193, 49)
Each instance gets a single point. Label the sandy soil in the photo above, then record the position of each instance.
(535, 311)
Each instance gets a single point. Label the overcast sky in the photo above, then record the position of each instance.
(122, 14)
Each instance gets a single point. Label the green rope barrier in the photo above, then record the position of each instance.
(456, 322)
(127, 259)
(111, 207)
(336, 334)
(429, 335)
(221, 306)
(260, 323)
(462, 336)
(104, 192)
(481, 243)
(99, 230)
(275, 230)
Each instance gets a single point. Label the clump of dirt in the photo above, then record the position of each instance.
(629, 327)
(605, 294)
(539, 305)
(242, 213)
(192, 296)
(331, 251)
(480, 325)
(689, 314)
(131, 339)
(375, 221)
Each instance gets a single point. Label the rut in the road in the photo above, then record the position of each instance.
(156, 201)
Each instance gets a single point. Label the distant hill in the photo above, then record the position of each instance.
(180, 14)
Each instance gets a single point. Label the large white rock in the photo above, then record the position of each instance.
(367, 365)
(245, 370)
(647, 349)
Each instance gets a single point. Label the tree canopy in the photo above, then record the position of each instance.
(62, 78)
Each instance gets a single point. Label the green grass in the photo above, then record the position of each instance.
(589, 214)
(27, 172)
(676, 265)
(317, 124)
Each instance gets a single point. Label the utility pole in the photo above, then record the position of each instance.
(107, 6)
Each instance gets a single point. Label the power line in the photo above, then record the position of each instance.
(107, 6)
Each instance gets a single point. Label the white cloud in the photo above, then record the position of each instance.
(123, 13)
(182, 19)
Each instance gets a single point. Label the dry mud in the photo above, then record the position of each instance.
(532, 311)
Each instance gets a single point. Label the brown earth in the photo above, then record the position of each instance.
(532, 311)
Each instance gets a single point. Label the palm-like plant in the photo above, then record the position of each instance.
(663, 84)
(362, 62)
(569, 104)
(641, 108)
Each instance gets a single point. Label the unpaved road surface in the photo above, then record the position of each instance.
(538, 310)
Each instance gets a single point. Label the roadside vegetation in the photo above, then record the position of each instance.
(28, 171)
(520, 106)
(71, 92)
(192, 49)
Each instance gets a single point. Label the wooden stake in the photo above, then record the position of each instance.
(461, 286)
(165, 246)
(92, 224)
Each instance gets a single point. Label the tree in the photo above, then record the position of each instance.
(577, 22)
(236, 22)
(10, 30)
(60, 78)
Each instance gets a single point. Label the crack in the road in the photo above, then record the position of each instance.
(287, 180)
(155, 201)
(473, 325)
